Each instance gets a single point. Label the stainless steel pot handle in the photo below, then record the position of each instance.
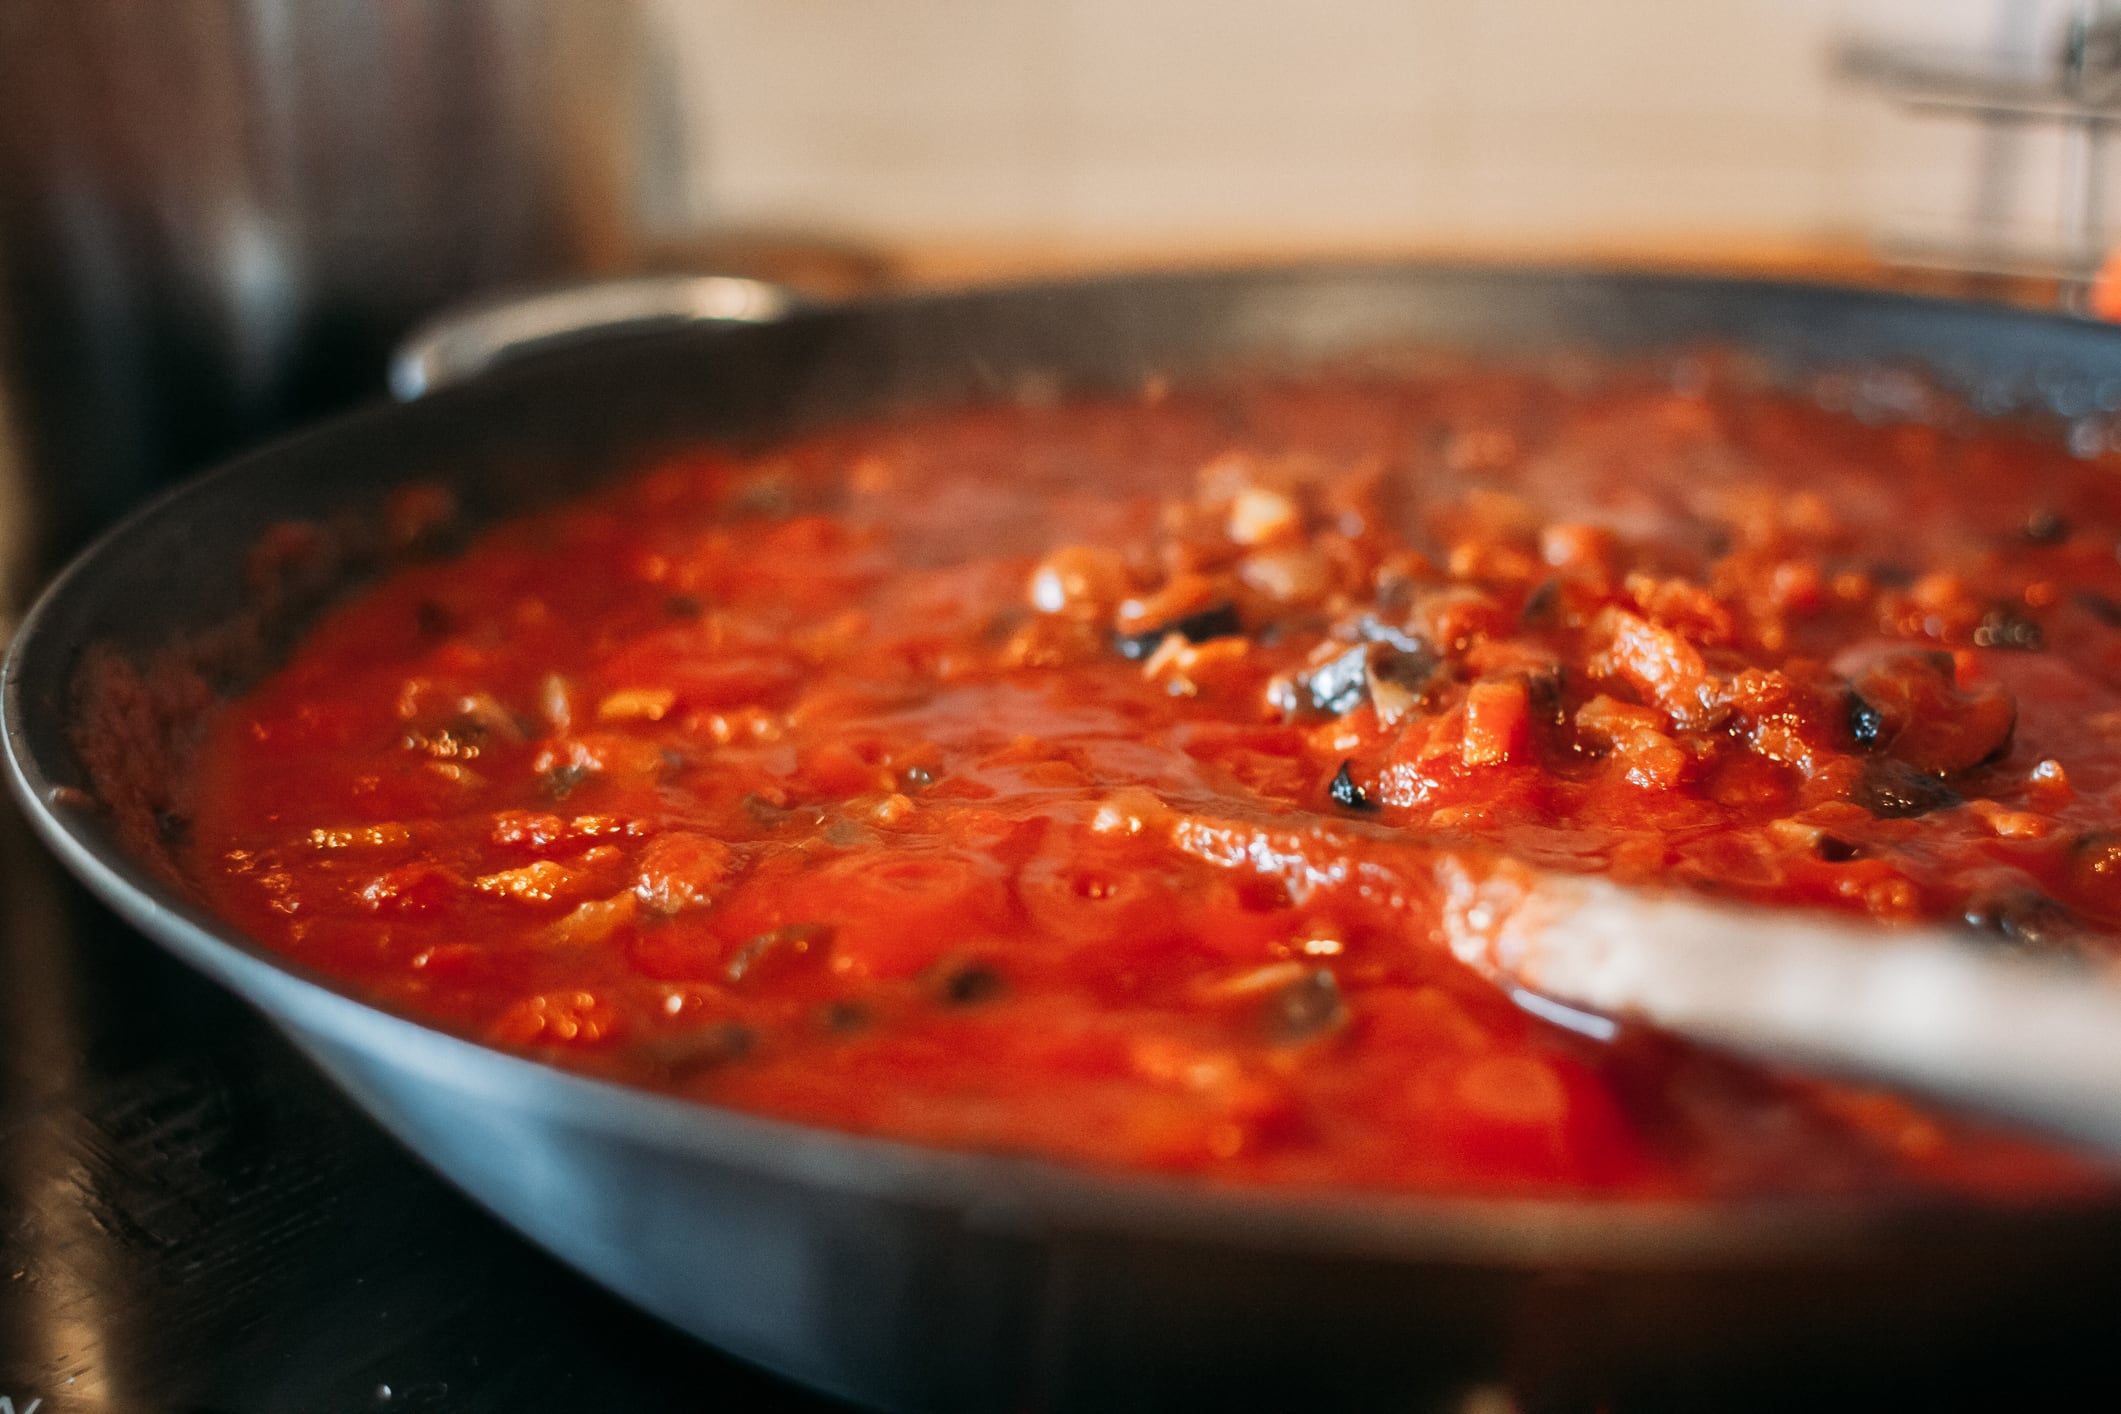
(467, 340)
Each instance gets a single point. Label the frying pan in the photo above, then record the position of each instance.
(914, 1278)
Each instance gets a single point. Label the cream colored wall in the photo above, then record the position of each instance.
(1524, 121)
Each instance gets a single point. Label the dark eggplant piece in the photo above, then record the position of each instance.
(1217, 621)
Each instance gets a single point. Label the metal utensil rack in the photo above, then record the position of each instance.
(2080, 92)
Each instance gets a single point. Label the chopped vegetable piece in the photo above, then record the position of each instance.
(1343, 791)
(1220, 621)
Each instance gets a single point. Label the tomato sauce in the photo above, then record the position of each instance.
(1072, 779)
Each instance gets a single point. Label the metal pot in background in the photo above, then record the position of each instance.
(216, 216)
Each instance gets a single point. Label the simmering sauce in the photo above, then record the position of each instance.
(1072, 779)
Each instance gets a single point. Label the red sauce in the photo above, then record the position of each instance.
(1070, 779)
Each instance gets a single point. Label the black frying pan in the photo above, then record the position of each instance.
(915, 1278)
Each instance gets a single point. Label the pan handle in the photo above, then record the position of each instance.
(469, 339)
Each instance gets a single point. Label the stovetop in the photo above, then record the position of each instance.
(193, 1222)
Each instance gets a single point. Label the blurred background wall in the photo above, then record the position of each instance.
(1247, 123)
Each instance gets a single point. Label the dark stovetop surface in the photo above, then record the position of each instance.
(193, 1221)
